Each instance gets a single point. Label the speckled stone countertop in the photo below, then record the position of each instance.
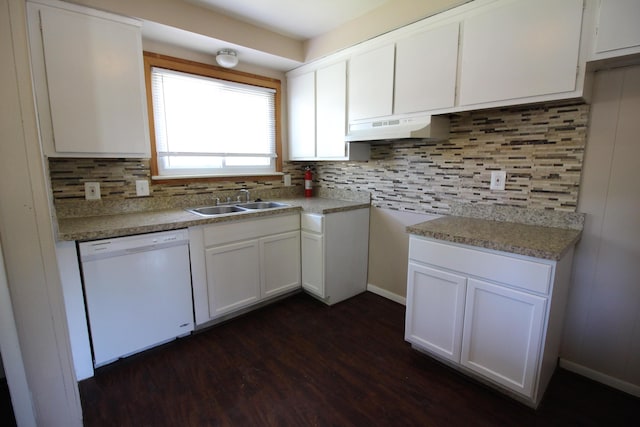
(523, 239)
(106, 226)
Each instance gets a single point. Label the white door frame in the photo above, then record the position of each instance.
(12, 356)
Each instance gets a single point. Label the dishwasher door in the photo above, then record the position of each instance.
(138, 292)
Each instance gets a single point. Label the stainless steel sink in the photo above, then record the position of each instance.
(262, 205)
(240, 207)
(216, 210)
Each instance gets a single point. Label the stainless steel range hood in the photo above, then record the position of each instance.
(383, 130)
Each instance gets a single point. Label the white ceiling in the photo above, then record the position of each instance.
(299, 19)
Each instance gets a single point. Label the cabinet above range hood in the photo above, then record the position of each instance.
(384, 130)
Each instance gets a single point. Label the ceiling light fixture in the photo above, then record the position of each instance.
(227, 58)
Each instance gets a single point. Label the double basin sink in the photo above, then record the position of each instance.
(240, 207)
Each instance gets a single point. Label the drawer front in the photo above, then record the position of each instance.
(312, 222)
(217, 234)
(521, 273)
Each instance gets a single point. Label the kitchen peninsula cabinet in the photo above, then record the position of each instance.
(241, 263)
(335, 253)
(89, 81)
(520, 49)
(491, 314)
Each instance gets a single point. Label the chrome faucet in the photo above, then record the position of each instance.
(246, 193)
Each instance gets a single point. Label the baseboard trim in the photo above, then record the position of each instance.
(386, 294)
(600, 377)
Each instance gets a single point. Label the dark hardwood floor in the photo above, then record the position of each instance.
(301, 363)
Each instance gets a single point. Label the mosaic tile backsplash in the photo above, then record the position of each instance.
(540, 147)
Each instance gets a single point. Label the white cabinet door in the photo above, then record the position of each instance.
(520, 49)
(371, 83)
(425, 75)
(435, 310)
(313, 263)
(95, 81)
(331, 111)
(302, 116)
(502, 336)
(280, 263)
(233, 276)
(618, 26)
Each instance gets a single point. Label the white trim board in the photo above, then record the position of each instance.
(386, 294)
(600, 377)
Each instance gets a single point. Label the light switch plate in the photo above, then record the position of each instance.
(498, 180)
(142, 187)
(287, 180)
(92, 190)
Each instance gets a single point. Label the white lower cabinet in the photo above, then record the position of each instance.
(335, 254)
(493, 315)
(238, 264)
(502, 334)
(435, 310)
(233, 276)
(280, 263)
(313, 263)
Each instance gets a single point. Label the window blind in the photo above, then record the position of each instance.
(208, 126)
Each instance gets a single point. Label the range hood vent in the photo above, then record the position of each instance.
(388, 129)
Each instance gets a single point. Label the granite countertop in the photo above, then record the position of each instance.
(523, 239)
(106, 226)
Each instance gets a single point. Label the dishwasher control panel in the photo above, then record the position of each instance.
(133, 243)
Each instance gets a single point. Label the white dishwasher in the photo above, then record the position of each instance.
(137, 291)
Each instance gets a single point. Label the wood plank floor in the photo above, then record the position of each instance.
(301, 363)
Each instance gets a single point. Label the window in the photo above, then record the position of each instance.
(209, 122)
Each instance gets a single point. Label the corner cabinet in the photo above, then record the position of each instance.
(518, 50)
(494, 315)
(89, 81)
(242, 263)
(317, 102)
(335, 254)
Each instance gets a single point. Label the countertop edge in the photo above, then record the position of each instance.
(512, 248)
(186, 219)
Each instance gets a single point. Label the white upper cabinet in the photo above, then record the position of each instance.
(91, 99)
(618, 28)
(301, 90)
(331, 111)
(514, 50)
(425, 70)
(371, 83)
(318, 115)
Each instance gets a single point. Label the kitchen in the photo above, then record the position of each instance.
(387, 164)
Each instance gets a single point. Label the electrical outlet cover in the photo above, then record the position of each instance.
(142, 187)
(92, 190)
(498, 180)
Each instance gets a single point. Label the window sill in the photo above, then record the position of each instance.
(275, 176)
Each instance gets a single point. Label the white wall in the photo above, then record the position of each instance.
(602, 326)
(389, 251)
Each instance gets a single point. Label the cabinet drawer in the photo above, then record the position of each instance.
(249, 229)
(312, 222)
(521, 273)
